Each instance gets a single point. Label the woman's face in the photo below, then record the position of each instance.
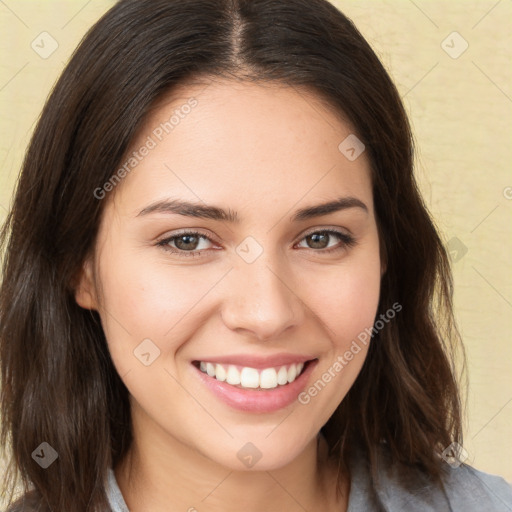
(250, 296)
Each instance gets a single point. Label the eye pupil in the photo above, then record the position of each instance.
(315, 238)
(187, 243)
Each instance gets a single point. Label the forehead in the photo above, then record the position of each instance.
(238, 142)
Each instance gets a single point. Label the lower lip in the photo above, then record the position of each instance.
(251, 400)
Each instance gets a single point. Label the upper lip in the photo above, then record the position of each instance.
(258, 362)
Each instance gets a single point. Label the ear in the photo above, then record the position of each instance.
(85, 289)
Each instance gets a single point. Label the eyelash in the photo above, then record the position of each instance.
(347, 242)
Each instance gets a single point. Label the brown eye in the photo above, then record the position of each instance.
(320, 240)
(184, 244)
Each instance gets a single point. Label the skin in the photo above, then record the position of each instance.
(264, 152)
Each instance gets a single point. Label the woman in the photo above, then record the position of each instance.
(301, 357)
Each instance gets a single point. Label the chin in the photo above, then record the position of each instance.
(261, 451)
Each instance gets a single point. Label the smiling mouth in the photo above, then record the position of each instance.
(252, 378)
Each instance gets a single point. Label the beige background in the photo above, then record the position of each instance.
(460, 109)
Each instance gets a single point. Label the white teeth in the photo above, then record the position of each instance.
(282, 376)
(249, 378)
(292, 372)
(268, 378)
(233, 376)
(210, 369)
(220, 373)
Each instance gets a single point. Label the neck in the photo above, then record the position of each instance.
(159, 473)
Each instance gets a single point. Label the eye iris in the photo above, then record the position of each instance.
(179, 239)
(315, 238)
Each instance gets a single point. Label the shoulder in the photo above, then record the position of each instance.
(400, 487)
(472, 489)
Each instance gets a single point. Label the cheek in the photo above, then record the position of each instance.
(347, 298)
(144, 298)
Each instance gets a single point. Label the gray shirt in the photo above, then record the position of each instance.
(400, 489)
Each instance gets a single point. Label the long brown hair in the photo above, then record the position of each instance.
(58, 383)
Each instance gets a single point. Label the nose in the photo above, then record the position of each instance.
(262, 301)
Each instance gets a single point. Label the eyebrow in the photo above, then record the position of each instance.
(204, 211)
